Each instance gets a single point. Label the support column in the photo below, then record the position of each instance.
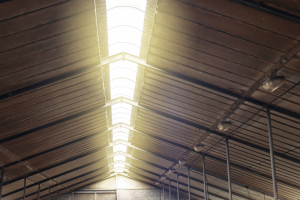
(204, 176)
(189, 184)
(24, 193)
(177, 187)
(38, 197)
(272, 154)
(169, 189)
(228, 169)
(164, 191)
(1, 182)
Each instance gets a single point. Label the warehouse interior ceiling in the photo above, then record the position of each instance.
(155, 90)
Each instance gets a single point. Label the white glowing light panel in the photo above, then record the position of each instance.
(125, 22)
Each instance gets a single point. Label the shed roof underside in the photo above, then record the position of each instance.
(55, 118)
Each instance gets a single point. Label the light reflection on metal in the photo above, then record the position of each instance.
(224, 125)
(272, 83)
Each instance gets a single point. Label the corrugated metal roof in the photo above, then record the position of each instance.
(53, 134)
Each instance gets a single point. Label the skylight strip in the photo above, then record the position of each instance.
(125, 22)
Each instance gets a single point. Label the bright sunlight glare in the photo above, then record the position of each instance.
(125, 22)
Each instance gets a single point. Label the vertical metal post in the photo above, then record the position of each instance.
(38, 198)
(49, 194)
(177, 187)
(24, 193)
(272, 154)
(204, 176)
(1, 182)
(228, 169)
(169, 189)
(56, 195)
(164, 191)
(189, 184)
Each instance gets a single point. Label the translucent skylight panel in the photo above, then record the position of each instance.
(119, 166)
(124, 34)
(121, 120)
(132, 17)
(140, 4)
(121, 110)
(119, 158)
(125, 21)
(119, 170)
(121, 72)
(120, 136)
(122, 82)
(120, 147)
(123, 64)
(124, 47)
(124, 130)
(121, 105)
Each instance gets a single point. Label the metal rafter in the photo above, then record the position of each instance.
(140, 61)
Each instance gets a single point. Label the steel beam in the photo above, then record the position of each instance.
(204, 177)
(140, 61)
(194, 81)
(133, 103)
(56, 176)
(57, 164)
(52, 186)
(187, 122)
(177, 187)
(228, 169)
(272, 154)
(68, 75)
(153, 180)
(86, 154)
(189, 184)
(125, 164)
(182, 175)
(96, 108)
(24, 193)
(158, 155)
(163, 192)
(80, 183)
(170, 189)
(146, 134)
(38, 193)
